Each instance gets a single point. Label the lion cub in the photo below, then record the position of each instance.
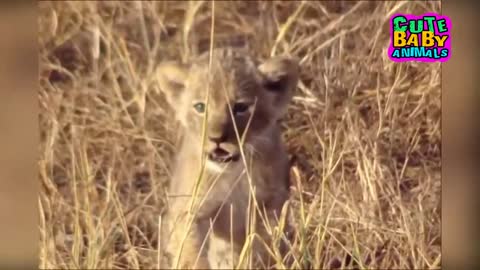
(242, 160)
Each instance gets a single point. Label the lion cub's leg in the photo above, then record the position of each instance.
(187, 247)
(222, 253)
(270, 251)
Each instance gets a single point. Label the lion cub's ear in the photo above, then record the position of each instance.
(280, 76)
(171, 77)
(279, 73)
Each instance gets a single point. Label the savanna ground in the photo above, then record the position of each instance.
(365, 131)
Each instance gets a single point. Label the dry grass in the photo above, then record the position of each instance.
(365, 131)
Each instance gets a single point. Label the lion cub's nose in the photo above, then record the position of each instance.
(218, 138)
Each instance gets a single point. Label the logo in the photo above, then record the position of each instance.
(424, 38)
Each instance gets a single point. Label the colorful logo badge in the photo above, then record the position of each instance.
(424, 38)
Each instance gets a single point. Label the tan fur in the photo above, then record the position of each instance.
(213, 241)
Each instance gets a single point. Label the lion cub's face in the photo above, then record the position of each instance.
(245, 100)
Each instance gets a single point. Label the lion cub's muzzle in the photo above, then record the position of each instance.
(221, 155)
(220, 148)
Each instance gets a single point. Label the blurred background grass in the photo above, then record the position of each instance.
(115, 157)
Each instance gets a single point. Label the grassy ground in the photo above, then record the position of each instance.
(365, 131)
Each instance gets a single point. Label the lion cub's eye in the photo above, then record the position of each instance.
(240, 108)
(199, 107)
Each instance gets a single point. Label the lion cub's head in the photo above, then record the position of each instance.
(245, 99)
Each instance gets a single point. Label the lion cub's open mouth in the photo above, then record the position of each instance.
(222, 156)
